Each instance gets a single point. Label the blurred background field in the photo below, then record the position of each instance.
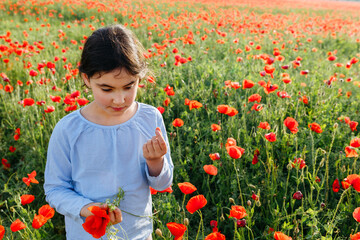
(300, 57)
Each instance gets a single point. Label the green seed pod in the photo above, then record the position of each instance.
(186, 222)
(158, 232)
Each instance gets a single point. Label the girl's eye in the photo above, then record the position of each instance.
(129, 87)
(106, 89)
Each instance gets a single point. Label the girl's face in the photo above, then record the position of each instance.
(114, 92)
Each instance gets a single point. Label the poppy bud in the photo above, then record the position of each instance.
(241, 223)
(322, 205)
(231, 200)
(258, 203)
(248, 203)
(336, 125)
(298, 195)
(158, 232)
(186, 221)
(222, 218)
(289, 166)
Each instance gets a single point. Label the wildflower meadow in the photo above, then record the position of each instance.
(260, 99)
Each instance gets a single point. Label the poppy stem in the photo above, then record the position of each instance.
(337, 207)
(200, 224)
(238, 182)
(327, 167)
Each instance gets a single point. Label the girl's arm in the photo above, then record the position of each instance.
(158, 159)
(58, 186)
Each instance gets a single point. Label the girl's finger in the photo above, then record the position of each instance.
(150, 147)
(118, 215)
(161, 140)
(112, 217)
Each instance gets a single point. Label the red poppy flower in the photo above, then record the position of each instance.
(332, 58)
(82, 101)
(178, 122)
(176, 229)
(215, 127)
(215, 236)
(315, 127)
(299, 162)
(237, 212)
(30, 178)
(353, 125)
(223, 108)
(257, 107)
(187, 102)
(8, 88)
(55, 98)
(166, 102)
(345, 184)
(281, 236)
(214, 156)
(291, 124)
(161, 110)
(26, 199)
(195, 203)
(255, 197)
(211, 170)
(336, 185)
(213, 224)
(28, 102)
(255, 159)
(248, 84)
(255, 97)
(17, 225)
(33, 73)
(187, 188)
(298, 195)
(2, 232)
(12, 149)
(230, 142)
(356, 214)
(355, 142)
(38, 221)
(283, 94)
(235, 152)
(96, 224)
(264, 125)
(355, 237)
(49, 109)
(271, 137)
(354, 180)
(232, 112)
(168, 190)
(5, 163)
(269, 88)
(194, 105)
(153, 191)
(350, 152)
(70, 108)
(46, 211)
(269, 69)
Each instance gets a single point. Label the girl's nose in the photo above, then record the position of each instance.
(118, 99)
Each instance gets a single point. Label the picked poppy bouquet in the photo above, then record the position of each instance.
(99, 224)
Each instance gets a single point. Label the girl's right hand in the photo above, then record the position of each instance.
(115, 215)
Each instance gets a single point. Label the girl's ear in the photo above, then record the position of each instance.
(85, 79)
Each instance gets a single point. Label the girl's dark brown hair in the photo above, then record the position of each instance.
(110, 48)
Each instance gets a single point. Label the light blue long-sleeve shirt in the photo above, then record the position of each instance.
(88, 162)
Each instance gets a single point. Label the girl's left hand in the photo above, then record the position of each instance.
(155, 148)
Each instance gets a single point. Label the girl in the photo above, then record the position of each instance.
(112, 142)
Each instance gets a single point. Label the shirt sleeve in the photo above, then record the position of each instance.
(58, 185)
(165, 178)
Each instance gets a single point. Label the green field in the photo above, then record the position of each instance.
(302, 64)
